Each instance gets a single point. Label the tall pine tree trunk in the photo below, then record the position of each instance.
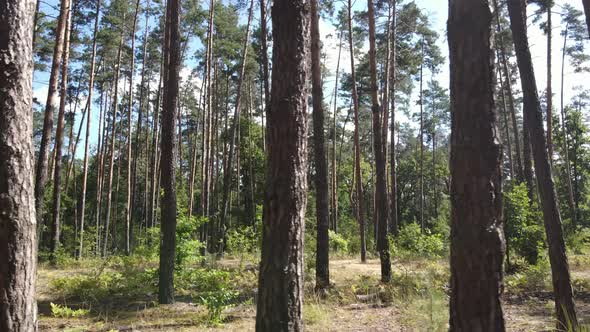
(115, 107)
(359, 208)
(322, 263)
(50, 107)
(562, 288)
(280, 286)
(168, 160)
(334, 195)
(59, 137)
(379, 151)
(393, 224)
(18, 247)
(227, 174)
(477, 246)
(568, 169)
(88, 127)
(549, 90)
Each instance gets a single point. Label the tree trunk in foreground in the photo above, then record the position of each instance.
(18, 247)
(168, 160)
(280, 286)
(562, 287)
(587, 12)
(477, 237)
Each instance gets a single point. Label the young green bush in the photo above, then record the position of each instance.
(522, 227)
(411, 241)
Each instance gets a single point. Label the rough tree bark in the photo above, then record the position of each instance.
(477, 237)
(379, 151)
(168, 160)
(587, 12)
(321, 168)
(562, 288)
(18, 247)
(280, 286)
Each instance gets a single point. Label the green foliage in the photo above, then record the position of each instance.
(522, 228)
(218, 301)
(243, 240)
(533, 278)
(338, 242)
(411, 241)
(188, 248)
(66, 312)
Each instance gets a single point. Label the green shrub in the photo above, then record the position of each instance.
(188, 248)
(532, 278)
(339, 243)
(412, 241)
(522, 228)
(217, 301)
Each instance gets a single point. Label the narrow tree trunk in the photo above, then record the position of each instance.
(477, 246)
(59, 136)
(82, 205)
(506, 123)
(549, 90)
(508, 82)
(128, 204)
(379, 152)
(168, 160)
(280, 285)
(587, 12)
(527, 160)
(18, 247)
(322, 261)
(357, 149)
(115, 102)
(568, 169)
(562, 288)
(421, 140)
(50, 107)
(265, 70)
(227, 174)
(334, 198)
(393, 228)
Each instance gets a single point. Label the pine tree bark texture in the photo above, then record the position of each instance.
(477, 237)
(18, 246)
(168, 159)
(562, 288)
(280, 286)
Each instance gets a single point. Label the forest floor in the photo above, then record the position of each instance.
(416, 299)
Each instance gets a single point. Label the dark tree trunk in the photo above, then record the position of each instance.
(168, 160)
(50, 107)
(527, 161)
(587, 12)
(322, 262)
(18, 247)
(358, 184)
(59, 137)
(393, 224)
(280, 286)
(477, 245)
(549, 90)
(562, 288)
(334, 178)
(380, 161)
(506, 123)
